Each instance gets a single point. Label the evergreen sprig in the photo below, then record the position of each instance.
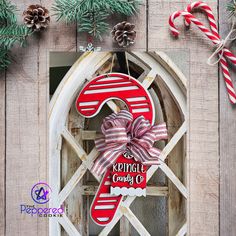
(231, 8)
(4, 58)
(7, 13)
(9, 35)
(10, 32)
(91, 15)
(94, 23)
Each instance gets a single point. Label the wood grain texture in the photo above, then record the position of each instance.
(176, 202)
(2, 153)
(202, 154)
(27, 108)
(227, 143)
(27, 121)
(71, 163)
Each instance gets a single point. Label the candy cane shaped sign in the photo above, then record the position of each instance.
(89, 102)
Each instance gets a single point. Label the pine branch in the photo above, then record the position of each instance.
(7, 13)
(124, 7)
(91, 15)
(94, 24)
(67, 10)
(231, 8)
(12, 34)
(4, 58)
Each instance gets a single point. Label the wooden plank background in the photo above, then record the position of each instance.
(211, 146)
(227, 117)
(2, 152)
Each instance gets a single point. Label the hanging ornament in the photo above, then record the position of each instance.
(123, 33)
(36, 17)
(90, 48)
(126, 146)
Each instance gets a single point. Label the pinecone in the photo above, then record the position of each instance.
(123, 33)
(36, 17)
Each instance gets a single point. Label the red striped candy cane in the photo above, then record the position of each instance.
(213, 35)
(204, 7)
(89, 102)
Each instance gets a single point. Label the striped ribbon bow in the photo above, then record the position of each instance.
(123, 133)
(213, 34)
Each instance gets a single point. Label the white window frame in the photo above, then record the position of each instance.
(60, 105)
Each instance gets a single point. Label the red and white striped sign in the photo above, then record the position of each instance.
(115, 86)
(93, 96)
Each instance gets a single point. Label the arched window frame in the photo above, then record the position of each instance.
(160, 65)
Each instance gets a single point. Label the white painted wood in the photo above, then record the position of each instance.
(68, 226)
(172, 85)
(169, 173)
(183, 230)
(78, 175)
(138, 62)
(74, 144)
(149, 79)
(227, 134)
(2, 153)
(174, 70)
(135, 222)
(171, 144)
(113, 106)
(58, 112)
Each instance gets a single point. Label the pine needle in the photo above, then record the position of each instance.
(10, 32)
(4, 58)
(9, 35)
(231, 8)
(7, 13)
(91, 15)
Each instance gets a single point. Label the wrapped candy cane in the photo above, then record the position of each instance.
(223, 52)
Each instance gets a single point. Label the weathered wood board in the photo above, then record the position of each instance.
(2, 152)
(203, 153)
(23, 141)
(27, 121)
(227, 117)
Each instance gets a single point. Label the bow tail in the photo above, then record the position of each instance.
(105, 160)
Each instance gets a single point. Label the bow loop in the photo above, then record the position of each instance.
(140, 126)
(116, 135)
(122, 133)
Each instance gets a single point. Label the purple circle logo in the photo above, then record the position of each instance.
(40, 193)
